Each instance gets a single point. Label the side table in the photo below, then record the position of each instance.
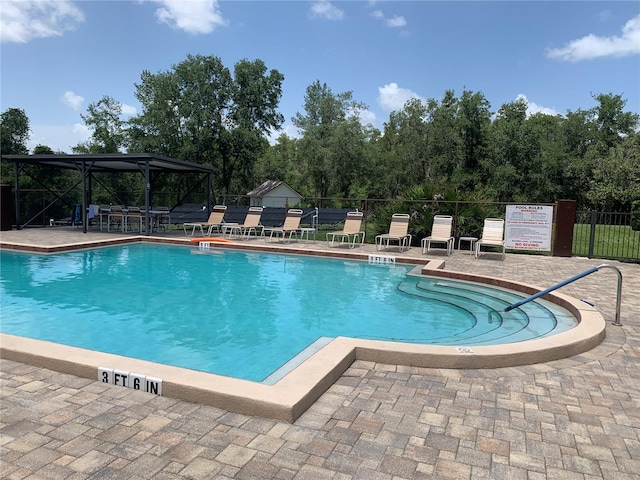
(306, 231)
(472, 242)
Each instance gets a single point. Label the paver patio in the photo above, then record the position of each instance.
(577, 418)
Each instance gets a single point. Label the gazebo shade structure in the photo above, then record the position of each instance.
(143, 163)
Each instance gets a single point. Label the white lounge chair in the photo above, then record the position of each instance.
(290, 226)
(216, 219)
(251, 224)
(492, 235)
(398, 232)
(440, 233)
(351, 233)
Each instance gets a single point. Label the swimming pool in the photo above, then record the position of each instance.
(244, 314)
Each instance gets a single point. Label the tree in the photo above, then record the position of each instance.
(612, 122)
(544, 151)
(504, 166)
(14, 132)
(406, 142)
(43, 150)
(332, 144)
(616, 179)
(279, 162)
(199, 112)
(474, 120)
(255, 98)
(590, 135)
(445, 150)
(108, 129)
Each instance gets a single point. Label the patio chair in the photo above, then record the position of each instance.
(116, 217)
(76, 217)
(251, 224)
(351, 232)
(398, 232)
(290, 226)
(134, 217)
(492, 235)
(440, 233)
(103, 214)
(216, 219)
(161, 218)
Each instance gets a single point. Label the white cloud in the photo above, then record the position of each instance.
(592, 46)
(128, 109)
(604, 15)
(22, 21)
(533, 108)
(326, 10)
(393, 22)
(288, 129)
(81, 130)
(392, 98)
(72, 100)
(367, 117)
(60, 138)
(396, 21)
(195, 16)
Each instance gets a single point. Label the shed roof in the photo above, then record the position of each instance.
(267, 187)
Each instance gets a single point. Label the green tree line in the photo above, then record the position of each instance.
(456, 146)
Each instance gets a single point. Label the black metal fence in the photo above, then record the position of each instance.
(606, 235)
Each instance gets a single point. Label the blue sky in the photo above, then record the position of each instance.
(58, 56)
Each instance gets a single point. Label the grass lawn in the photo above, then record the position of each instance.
(611, 241)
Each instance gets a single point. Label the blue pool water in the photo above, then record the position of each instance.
(245, 314)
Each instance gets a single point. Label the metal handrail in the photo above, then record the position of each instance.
(616, 322)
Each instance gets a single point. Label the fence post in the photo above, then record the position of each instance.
(564, 221)
(6, 207)
(592, 233)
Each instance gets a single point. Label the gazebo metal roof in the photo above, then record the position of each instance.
(114, 162)
(87, 164)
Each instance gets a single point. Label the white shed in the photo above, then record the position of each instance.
(274, 193)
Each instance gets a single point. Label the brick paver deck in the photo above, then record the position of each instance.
(577, 418)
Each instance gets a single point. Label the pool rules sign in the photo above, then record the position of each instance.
(528, 227)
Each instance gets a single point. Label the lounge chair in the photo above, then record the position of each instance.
(216, 219)
(351, 233)
(251, 224)
(440, 233)
(492, 235)
(290, 226)
(398, 232)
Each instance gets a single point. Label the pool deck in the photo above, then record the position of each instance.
(573, 418)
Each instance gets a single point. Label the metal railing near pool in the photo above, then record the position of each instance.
(616, 322)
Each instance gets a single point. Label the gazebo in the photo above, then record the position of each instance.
(87, 165)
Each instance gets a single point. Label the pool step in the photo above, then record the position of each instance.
(492, 324)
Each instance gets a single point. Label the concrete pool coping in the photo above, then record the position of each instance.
(295, 392)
